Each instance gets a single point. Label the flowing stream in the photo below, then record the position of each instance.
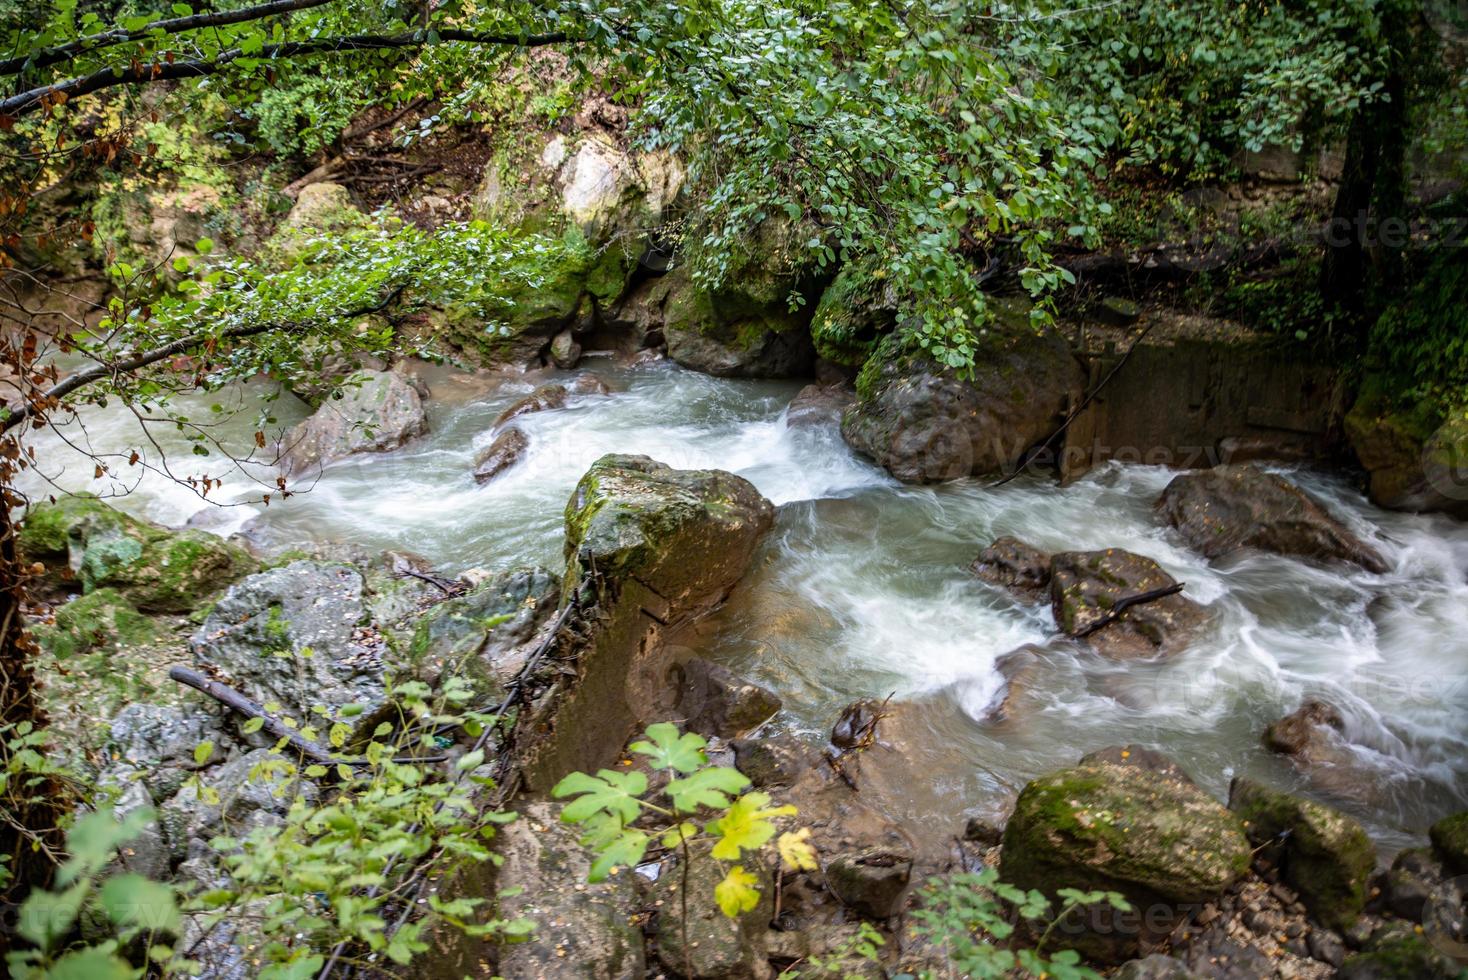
(862, 589)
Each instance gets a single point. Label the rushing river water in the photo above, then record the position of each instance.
(862, 589)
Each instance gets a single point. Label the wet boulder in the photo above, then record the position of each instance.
(1414, 463)
(299, 636)
(1160, 841)
(1087, 587)
(1139, 756)
(1450, 841)
(774, 760)
(686, 535)
(582, 931)
(565, 352)
(1022, 671)
(1399, 955)
(552, 396)
(714, 702)
(506, 450)
(378, 411)
(924, 424)
(80, 539)
(659, 547)
(818, 404)
(1323, 854)
(1313, 737)
(1231, 508)
(1010, 563)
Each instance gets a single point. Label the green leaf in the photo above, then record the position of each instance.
(707, 787)
(737, 893)
(747, 826)
(666, 749)
(203, 750)
(607, 792)
(252, 726)
(132, 900)
(92, 963)
(624, 850)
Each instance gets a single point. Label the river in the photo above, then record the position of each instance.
(862, 589)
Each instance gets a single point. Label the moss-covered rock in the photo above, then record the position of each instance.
(1450, 840)
(1087, 586)
(1416, 459)
(687, 535)
(154, 569)
(1323, 854)
(1160, 841)
(853, 315)
(1399, 956)
(100, 619)
(744, 329)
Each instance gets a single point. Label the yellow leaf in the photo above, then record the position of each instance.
(737, 892)
(796, 852)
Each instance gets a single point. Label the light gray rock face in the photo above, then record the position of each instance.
(583, 932)
(298, 636)
(252, 790)
(381, 413)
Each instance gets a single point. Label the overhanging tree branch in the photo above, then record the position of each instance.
(97, 372)
(36, 98)
(46, 57)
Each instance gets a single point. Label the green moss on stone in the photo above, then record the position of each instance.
(1450, 840)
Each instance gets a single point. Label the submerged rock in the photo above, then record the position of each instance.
(1313, 736)
(1086, 586)
(1021, 568)
(1158, 840)
(1231, 508)
(924, 424)
(378, 411)
(582, 931)
(712, 701)
(1323, 855)
(299, 636)
(506, 450)
(81, 539)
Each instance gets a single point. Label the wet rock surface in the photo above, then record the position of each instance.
(713, 701)
(1324, 855)
(378, 411)
(299, 636)
(506, 450)
(1087, 587)
(1228, 509)
(1014, 565)
(924, 425)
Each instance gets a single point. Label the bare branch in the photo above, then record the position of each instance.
(174, 25)
(105, 78)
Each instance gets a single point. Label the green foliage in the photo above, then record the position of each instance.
(971, 917)
(310, 113)
(1419, 342)
(315, 875)
(622, 822)
(133, 907)
(861, 949)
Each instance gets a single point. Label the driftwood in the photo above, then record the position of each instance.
(236, 701)
(1128, 601)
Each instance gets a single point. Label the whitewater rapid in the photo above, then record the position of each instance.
(862, 588)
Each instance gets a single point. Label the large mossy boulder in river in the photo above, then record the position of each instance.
(925, 424)
(378, 411)
(659, 546)
(686, 535)
(1232, 508)
(1322, 854)
(1089, 596)
(742, 329)
(299, 636)
(1416, 460)
(81, 539)
(1155, 838)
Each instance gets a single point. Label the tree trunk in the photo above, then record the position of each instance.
(31, 805)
